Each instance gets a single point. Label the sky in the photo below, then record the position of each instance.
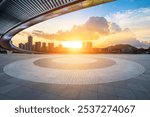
(79, 17)
(132, 14)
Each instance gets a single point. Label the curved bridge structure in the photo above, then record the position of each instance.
(17, 15)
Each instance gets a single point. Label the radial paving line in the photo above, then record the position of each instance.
(27, 70)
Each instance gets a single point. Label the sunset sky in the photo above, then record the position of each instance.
(122, 21)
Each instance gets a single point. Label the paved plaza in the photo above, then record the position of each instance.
(63, 77)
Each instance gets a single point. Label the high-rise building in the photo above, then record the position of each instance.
(50, 46)
(89, 45)
(21, 45)
(33, 47)
(37, 46)
(44, 48)
(26, 46)
(30, 42)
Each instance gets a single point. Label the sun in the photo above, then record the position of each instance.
(72, 44)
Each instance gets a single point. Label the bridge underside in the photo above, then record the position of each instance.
(17, 15)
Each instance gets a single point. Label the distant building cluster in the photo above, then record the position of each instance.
(38, 46)
(50, 47)
(87, 47)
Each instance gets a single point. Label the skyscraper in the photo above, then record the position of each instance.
(44, 48)
(26, 46)
(21, 45)
(89, 45)
(50, 47)
(30, 42)
(37, 46)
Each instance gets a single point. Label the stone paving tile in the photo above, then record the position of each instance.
(79, 87)
(32, 85)
(142, 79)
(4, 76)
(38, 86)
(48, 88)
(47, 74)
(141, 95)
(147, 71)
(7, 88)
(87, 95)
(136, 87)
(56, 89)
(109, 90)
(48, 96)
(148, 68)
(92, 87)
(125, 98)
(147, 86)
(106, 96)
(3, 97)
(17, 81)
(144, 76)
(3, 83)
(135, 81)
(70, 93)
(118, 84)
(23, 93)
(2, 80)
(120, 92)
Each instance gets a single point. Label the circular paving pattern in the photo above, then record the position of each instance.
(74, 60)
(74, 63)
(82, 69)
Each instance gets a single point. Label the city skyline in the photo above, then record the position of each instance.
(51, 47)
(119, 16)
(80, 47)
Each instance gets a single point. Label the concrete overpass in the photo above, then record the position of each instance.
(17, 15)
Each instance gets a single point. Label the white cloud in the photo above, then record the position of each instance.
(138, 19)
(113, 27)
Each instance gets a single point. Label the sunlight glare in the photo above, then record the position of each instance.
(72, 44)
